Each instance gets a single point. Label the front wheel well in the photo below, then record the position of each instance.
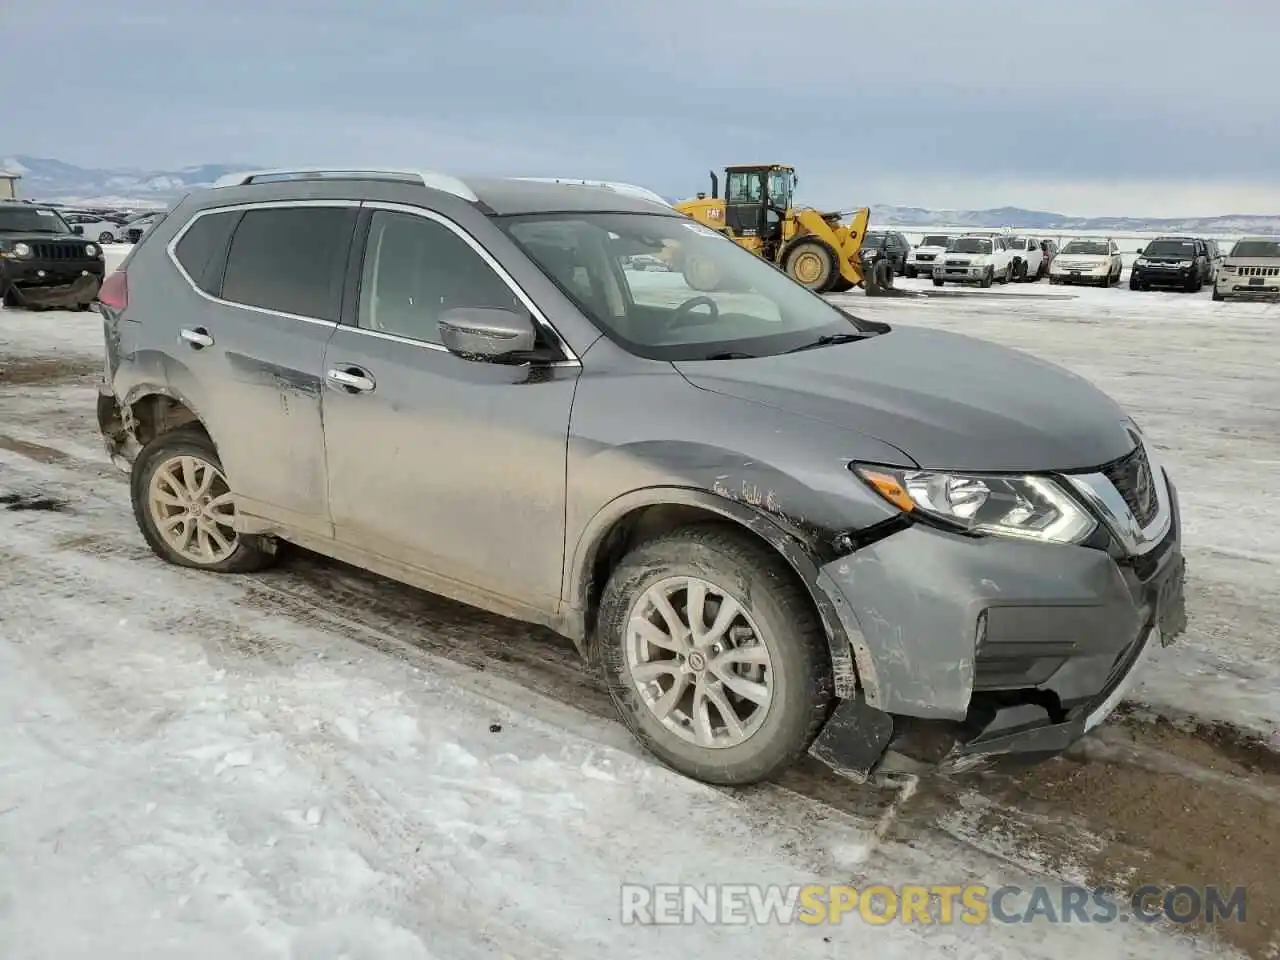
(649, 522)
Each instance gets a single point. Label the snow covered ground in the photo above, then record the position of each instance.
(315, 763)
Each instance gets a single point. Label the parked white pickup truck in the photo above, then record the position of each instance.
(979, 259)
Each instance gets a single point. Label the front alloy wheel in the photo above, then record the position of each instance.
(699, 662)
(714, 654)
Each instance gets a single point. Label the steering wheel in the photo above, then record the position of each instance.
(682, 311)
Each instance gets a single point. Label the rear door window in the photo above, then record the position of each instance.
(290, 260)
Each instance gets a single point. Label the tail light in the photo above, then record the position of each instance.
(115, 291)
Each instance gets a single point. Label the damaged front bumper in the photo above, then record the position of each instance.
(54, 284)
(970, 649)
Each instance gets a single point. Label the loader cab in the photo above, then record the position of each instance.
(756, 201)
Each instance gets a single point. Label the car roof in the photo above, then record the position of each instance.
(496, 196)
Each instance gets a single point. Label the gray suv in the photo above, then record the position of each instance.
(776, 527)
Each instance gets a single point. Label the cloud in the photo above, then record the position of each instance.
(917, 99)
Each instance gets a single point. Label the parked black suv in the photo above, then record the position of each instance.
(1182, 262)
(43, 263)
(887, 244)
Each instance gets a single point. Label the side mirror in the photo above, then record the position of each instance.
(487, 333)
(1139, 250)
(78, 230)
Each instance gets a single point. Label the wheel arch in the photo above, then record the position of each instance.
(150, 409)
(637, 516)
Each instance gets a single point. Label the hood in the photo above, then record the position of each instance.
(949, 401)
(1272, 262)
(30, 236)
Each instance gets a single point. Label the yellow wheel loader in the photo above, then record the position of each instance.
(814, 248)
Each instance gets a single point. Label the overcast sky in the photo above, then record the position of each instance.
(1088, 107)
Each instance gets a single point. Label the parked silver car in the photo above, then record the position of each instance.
(777, 527)
(1251, 270)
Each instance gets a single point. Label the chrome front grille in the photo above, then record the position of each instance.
(1260, 271)
(926, 257)
(1132, 477)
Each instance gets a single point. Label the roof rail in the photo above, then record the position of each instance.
(427, 178)
(628, 189)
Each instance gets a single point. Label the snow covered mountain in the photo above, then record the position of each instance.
(53, 180)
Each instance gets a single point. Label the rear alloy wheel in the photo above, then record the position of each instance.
(714, 655)
(105, 237)
(812, 264)
(185, 509)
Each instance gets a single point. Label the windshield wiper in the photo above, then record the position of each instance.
(827, 339)
(730, 355)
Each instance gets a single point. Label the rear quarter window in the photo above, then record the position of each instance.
(202, 247)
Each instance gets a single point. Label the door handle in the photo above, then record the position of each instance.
(350, 379)
(198, 338)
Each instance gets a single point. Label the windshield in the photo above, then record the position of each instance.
(31, 220)
(1185, 249)
(1094, 248)
(970, 245)
(935, 240)
(713, 299)
(1256, 248)
(874, 239)
(1016, 243)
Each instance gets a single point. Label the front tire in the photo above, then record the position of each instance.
(714, 655)
(812, 264)
(987, 278)
(184, 507)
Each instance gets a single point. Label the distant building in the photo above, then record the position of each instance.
(9, 185)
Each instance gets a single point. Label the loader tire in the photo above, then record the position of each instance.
(840, 285)
(884, 274)
(812, 264)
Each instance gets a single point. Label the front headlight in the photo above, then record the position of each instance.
(90, 249)
(21, 250)
(1141, 262)
(1025, 507)
(1186, 263)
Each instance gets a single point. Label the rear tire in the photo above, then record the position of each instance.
(10, 299)
(773, 650)
(105, 237)
(937, 282)
(1217, 296)
(812, 264)
(182, 505)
